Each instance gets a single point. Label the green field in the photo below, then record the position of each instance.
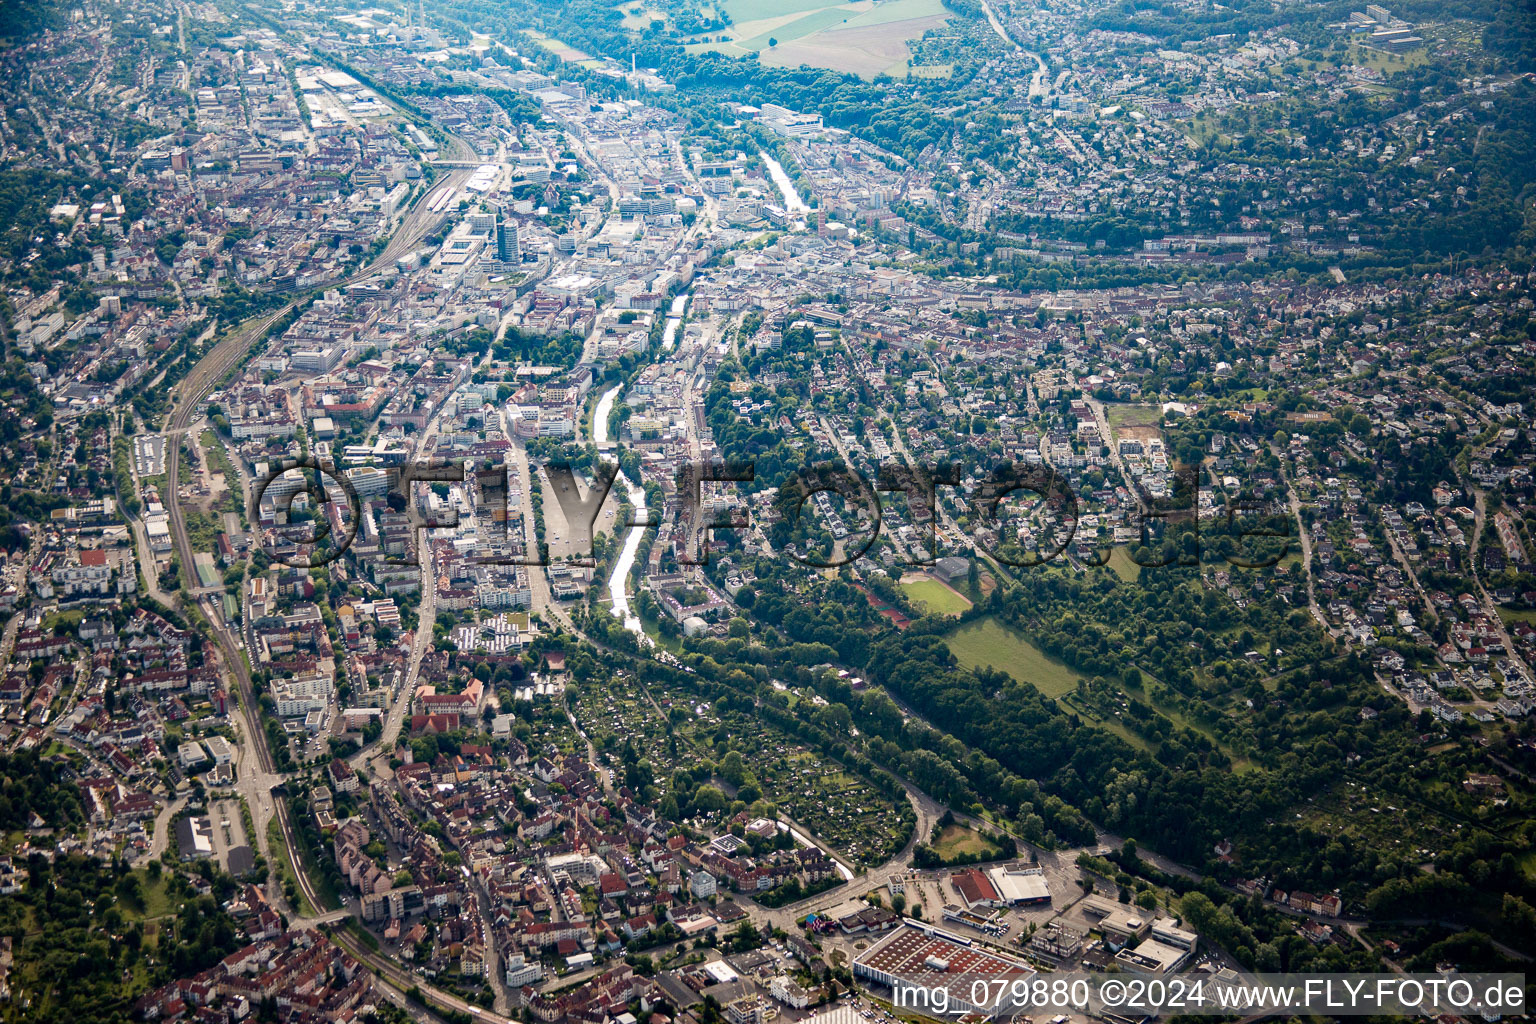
(1133, 415)
(639, 18)
(1385, 61)
(987, 642)
(68, 620)
(866, 39)
(815, 21)
(896, 10)
(1513, 615)
(730, 49)
(754, 10)
(152, 901)
(284, 862)
(1117, 727)
(564, 51)
(935, 597)
(1125, 567)
(960, 841)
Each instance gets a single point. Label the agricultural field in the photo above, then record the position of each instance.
(865, 37)
(549, 726)
(989, 643)
(610, 715)
(1416, 824)
(935, 597)
(840, 809)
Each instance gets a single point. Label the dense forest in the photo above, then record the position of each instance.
(1511, 31)
(20, 20)
(1496, 166)
(1174, 24)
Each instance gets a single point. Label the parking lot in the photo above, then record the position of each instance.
(228, 834)
(149, 455)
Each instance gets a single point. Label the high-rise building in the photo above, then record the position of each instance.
(508, 248)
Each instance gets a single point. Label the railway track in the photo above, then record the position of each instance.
(190, 394)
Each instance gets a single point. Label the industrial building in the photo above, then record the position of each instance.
(194, 838)
(1152, 957)
(917, 960)
(1021, 886)
(1122, 925)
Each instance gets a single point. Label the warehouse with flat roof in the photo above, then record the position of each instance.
(1152, 957)
(194, 838)
(1021, 886)
(1121, 924)
(922, 964)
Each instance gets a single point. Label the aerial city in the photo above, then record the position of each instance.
(746, 511)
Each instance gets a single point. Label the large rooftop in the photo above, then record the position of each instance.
(929, 958)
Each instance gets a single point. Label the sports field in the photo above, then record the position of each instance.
(564, 51)
(867, 37)
(935, 597)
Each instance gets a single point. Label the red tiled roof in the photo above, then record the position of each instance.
(974, 886)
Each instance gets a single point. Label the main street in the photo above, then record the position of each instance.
(376, 757)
